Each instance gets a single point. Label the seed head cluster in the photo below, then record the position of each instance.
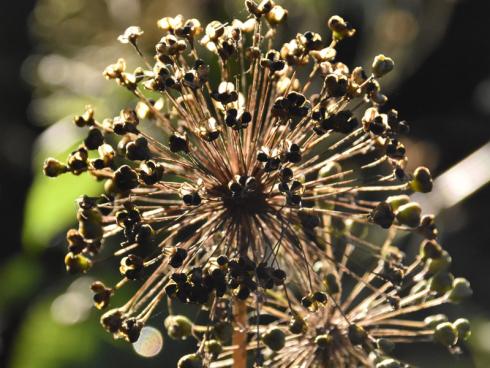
(274, 200)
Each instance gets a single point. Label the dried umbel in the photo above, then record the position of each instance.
(274, 202)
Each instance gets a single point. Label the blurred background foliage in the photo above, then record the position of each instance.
(51, 68)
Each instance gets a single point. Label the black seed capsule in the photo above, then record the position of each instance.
(178, 258)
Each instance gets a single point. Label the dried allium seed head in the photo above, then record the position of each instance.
(268, 195)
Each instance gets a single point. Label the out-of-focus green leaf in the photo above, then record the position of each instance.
(43, 343)
(51, 206)
(20, 275)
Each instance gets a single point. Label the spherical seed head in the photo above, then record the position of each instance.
(270, 170)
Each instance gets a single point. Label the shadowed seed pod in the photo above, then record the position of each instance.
(274, 203)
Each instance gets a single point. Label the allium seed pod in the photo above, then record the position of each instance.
(422, 180)
(446, 334)
(53, 168)
(463, 327)
(178, 327)
(274, 339)
(382, 65)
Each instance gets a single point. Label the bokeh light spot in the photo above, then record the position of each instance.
(150, 342)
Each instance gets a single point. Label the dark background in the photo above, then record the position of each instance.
(445, 97)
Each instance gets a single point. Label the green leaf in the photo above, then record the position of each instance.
(24, 275)
(51, 206)
(44, 343)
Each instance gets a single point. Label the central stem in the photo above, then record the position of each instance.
(240, 334)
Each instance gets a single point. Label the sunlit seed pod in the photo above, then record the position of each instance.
(430, 249)
(54, 168)
(446, 334)
(422, 180)
(76, 242)
(131, 329)
(277, 15)
(178, 257)
(434, 320)
(325, 54)
(297, 325)
(102, 294)
(265, 6)
(178, 143)
(94, 139)
(382, 65)
(138, 150)
(439, 264)
(340, 28)
(409, 214)
(90, 223)
(461, 290)
(320, 297)
(125, 178)
(324, 341)
(77, 263)
(463, 327)
(428, 227)
(178, 327)
(396, 201)
(441, 282)
(131, 266)
(112, 320)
